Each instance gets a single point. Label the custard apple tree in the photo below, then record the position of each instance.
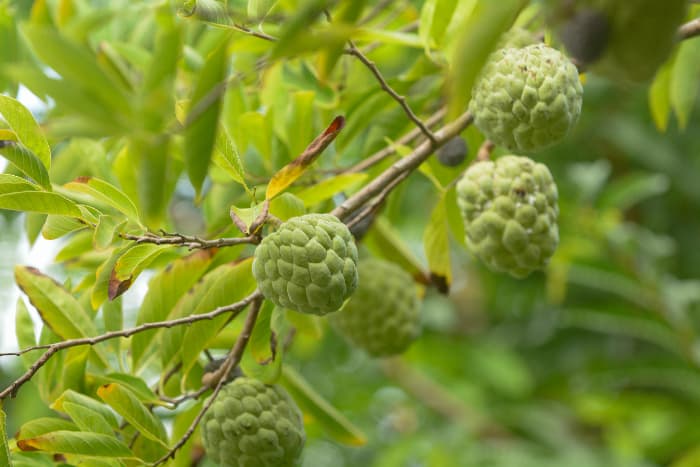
(315, 232)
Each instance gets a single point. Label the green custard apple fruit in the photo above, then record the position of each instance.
(309, 264)
(526, 99)
(253, 424)
(510, 211)
(382, 317)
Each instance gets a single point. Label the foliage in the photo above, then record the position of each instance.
(173, 136)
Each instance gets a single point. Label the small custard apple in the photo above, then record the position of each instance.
(382, 316)
(253, 424)
(526, 98)
(509, 207)
(309, 264)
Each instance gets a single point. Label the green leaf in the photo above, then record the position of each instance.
(39, 201)
(286, 206)
(333, 422)
(136, 259)
(388, 37)
(87, 419)
(126, 404)
(104, 231)
(436, 242)
(43, 425)
(101, 290)
(329, 187)
(106, 193)
(12, 184)
(300, 128)
(478, 36)
(684, 80)
(435, 16)
(214, 291)
(26, 161)
(660, 96)
(58, 308)
(133, 383)
(384, 241)
(58, 226)
(257, 9)
(79, 67)
(164, 291)
(73, 442)
(82, 400)
(203, 115)
(263, 357)
(4, 450)
(21, 121)
(226, 157)
(181, 424)
(626, 191)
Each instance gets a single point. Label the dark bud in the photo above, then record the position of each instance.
(359, 229)
(585, 35)
(453, 153)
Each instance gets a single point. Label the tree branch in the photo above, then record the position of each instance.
(689, 29)
(190, 241)
(52, 349)
(234, 357)
(403, 165)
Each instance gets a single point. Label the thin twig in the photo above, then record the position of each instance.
(234, 357)
(382, 154)
(689, 29)
(52, 349)
(398, 168)
(190, 241)
(353, 50)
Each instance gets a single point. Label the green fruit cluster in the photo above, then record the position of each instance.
(526, 98)
(308, 264)
(253, 424)
(382, 317)
(509, 207)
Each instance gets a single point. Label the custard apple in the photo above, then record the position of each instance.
(526, 99)
(509, 207)
(382, 316)
(516, 38)
(253, 424)
(309, 264)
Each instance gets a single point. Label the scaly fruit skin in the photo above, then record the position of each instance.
(382, 317)
(510, 214)
(309, 264)
(526, 99)
(253, 424)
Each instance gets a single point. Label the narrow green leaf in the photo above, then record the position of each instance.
(436, 242)
(126, 404)
(42, 425)
(181, 424)
(226, 157)
(87, 419)
(24, 330)
(39, 201)
(164, 291)
(203, 115)
(106, 193)
(286, 206)
(435, 16)
(12, 183)
(77, 65)
(333, 422)
(133, 383)
(83, 401)
(385, 242)
(136, 259)
(624, 192)
(214, 291)
(660, 96)
(4, 449)
(478, 36)
(257, 9)
(263, 357)
(330, 187)
(58, 308)
(73, 368)
(104, 232)
(103, 281)
(74, 442)
(684, 80)
(26, 161)
(21, 121)
(58, 226)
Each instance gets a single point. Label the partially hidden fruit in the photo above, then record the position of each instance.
(453, 152)
(382, 317)
(253, 424)
(586, 35)
(526, 99)
(510, 211)
(309, 264)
